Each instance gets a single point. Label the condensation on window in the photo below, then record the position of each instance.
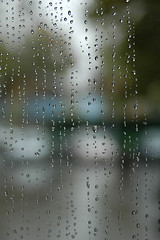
(79, 119)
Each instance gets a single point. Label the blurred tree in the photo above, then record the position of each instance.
(133, 62)
(148, 51)
(41, 53)
(33, 67)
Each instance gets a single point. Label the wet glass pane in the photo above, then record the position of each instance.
(79, 119)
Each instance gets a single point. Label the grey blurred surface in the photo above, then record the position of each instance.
(86, 201)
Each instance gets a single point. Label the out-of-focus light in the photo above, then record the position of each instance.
(94, 144)
(28, 143)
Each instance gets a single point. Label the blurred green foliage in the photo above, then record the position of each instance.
(148, 50)
(44, 52)
(137, 55)
(38, 55)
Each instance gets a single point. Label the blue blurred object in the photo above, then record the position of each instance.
(87, 108)
(47, 108)
(91, 108)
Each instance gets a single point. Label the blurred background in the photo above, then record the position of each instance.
(79, 119)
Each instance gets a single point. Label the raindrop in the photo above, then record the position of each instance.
(95, 128)
(32, 31)
(48, 212)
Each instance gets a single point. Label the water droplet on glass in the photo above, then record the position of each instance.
(95, 128)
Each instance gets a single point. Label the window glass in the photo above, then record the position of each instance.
(79, 119)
